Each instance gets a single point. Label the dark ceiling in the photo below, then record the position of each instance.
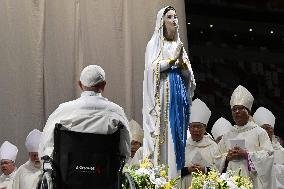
(234, 42)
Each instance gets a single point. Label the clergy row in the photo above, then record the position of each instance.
(244, 146)
(27, 175)
(250, 145)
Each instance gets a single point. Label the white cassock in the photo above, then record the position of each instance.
(27, 176)
(277, 176)
(158, 142)
(208, 149)
(138, 157)
(7, 180)
(91, 113)
(259, 148)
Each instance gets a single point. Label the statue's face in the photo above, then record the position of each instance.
(197, 131)
(171, 21)
(7, 166)
(240, 115)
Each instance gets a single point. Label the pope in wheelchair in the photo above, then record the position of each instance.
(85, 142)
(76, 164)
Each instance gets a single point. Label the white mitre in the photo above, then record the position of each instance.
(221, 127)
(33, 140)
(8, 151)
(241, 96)
(264, 116)
(199, 112)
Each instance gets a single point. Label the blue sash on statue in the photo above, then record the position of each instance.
(179, 105)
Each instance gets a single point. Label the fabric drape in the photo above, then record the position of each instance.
(45, 44)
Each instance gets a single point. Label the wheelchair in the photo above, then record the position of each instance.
(84, 161)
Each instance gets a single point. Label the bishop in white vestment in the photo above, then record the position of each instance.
(265, 119)
(200, 149)
(137, 135)
(246, 146)
(8, 154)
(220, 127)
(27, 176)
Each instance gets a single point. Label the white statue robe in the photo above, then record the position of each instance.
(208, 150)
(277, 176)
(6, 181)
(166, 151)
(158, 52)
(259, 148)
(27, 176)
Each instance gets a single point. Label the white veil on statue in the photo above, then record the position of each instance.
(150, 114)
(151, 110)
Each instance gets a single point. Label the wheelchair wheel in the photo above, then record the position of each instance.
(46, 181)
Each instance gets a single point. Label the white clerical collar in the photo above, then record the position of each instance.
(205, 141)
(250, 125)
(90, 93)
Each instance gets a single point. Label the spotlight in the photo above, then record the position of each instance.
(188, 23)
(271, 31)
(211, 25)
(250, 29)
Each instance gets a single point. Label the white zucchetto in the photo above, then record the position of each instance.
(221, 127)
(264, 116)
(199, 112)
(241, 96)
(33, 140)
(136, 131)
(8, 151)
(92, 75)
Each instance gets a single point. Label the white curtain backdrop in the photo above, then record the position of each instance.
(44, 44)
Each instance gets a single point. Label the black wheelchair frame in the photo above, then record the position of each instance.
(84, 160)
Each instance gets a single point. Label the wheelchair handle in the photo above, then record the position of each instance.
(119, 124)
(45, 158)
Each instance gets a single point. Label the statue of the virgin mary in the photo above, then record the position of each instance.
(168, 88)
